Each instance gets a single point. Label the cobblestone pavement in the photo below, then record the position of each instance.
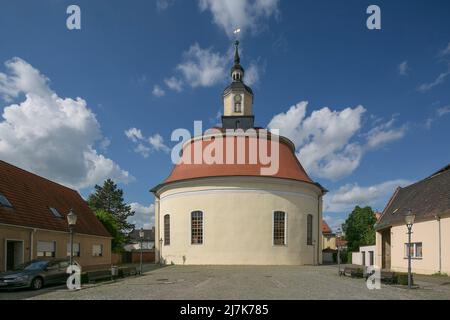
(240, 282)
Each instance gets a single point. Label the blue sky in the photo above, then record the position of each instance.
(378, 101)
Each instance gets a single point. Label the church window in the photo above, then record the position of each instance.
(279, 228)
(197, 227)
(167, 230)
(309, 228)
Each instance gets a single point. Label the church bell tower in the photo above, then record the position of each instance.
(237, 99)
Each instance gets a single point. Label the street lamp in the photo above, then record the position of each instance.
(409, 220)
(71, 221)
(141, 237)
(338, 236)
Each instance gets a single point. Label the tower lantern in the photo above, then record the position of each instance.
(237, 98)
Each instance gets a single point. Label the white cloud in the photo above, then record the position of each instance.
(144, 216)
(202, 67)
(157, 142)
(428, 86)
(443, 111)
(142, 150)
(350, 195)
(252, 74)
(326, 141)
(144, 146)
(334, 222)
(323, 139)
(158, 91)
(245, 14)
(174, 83)
(162, 5)
(446, 50)
(384, 133)
(134, 134)
(403, 68)
(52, 136)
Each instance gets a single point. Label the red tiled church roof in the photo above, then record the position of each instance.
(31, 196)
(289, 166)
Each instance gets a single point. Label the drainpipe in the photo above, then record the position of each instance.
(438, 218)
(32, 243)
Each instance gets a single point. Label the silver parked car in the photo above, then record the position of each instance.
(35, 274)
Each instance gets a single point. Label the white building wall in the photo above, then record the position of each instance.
(238, 221)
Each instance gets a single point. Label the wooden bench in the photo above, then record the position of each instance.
(128, 271)
(94, 276)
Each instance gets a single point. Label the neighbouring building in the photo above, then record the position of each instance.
(329, 248)
(237, 213)
(148, 242)
(365, 256)
(429, 200)
(33, 222)
(328, 237)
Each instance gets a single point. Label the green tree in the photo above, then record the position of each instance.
(359, 228)
(111, 225)
(109, 198)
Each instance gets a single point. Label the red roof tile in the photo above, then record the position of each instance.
(289, 166)
(31, 196)
(325, 227)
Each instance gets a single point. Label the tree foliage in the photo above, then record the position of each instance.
(111, 225)
(359, 228)
(109, 198)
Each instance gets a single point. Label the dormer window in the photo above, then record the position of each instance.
(4, 202)
(55, 212)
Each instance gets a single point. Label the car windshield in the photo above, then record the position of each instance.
(33, 265)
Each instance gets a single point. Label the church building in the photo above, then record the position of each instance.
(238, 213)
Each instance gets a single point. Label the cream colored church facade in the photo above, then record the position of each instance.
(231, 214)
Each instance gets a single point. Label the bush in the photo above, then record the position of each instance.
(344, 257)
(349, 257)
(358, 273)
(84, 278)
(402, 278)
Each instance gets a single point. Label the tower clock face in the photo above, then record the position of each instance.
(237, 98)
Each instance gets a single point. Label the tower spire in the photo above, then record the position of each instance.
(237, 59)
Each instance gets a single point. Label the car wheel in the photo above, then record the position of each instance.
(37, 283)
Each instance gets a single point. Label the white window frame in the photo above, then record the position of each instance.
(414, 253)
(74, 252)
(101, 250)
(203, 227)
(285, 229)
(55, 245)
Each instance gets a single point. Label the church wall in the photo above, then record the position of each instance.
(238, 221)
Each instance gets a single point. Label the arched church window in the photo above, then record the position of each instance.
(197, 227)
(167, 230)
(279, 228)
(237, 107)
(309, 229)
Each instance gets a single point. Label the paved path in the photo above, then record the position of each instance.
(243, 282)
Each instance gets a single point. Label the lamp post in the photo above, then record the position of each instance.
(409, 220)
(141, 237)
(71, 221)
(338, 235)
